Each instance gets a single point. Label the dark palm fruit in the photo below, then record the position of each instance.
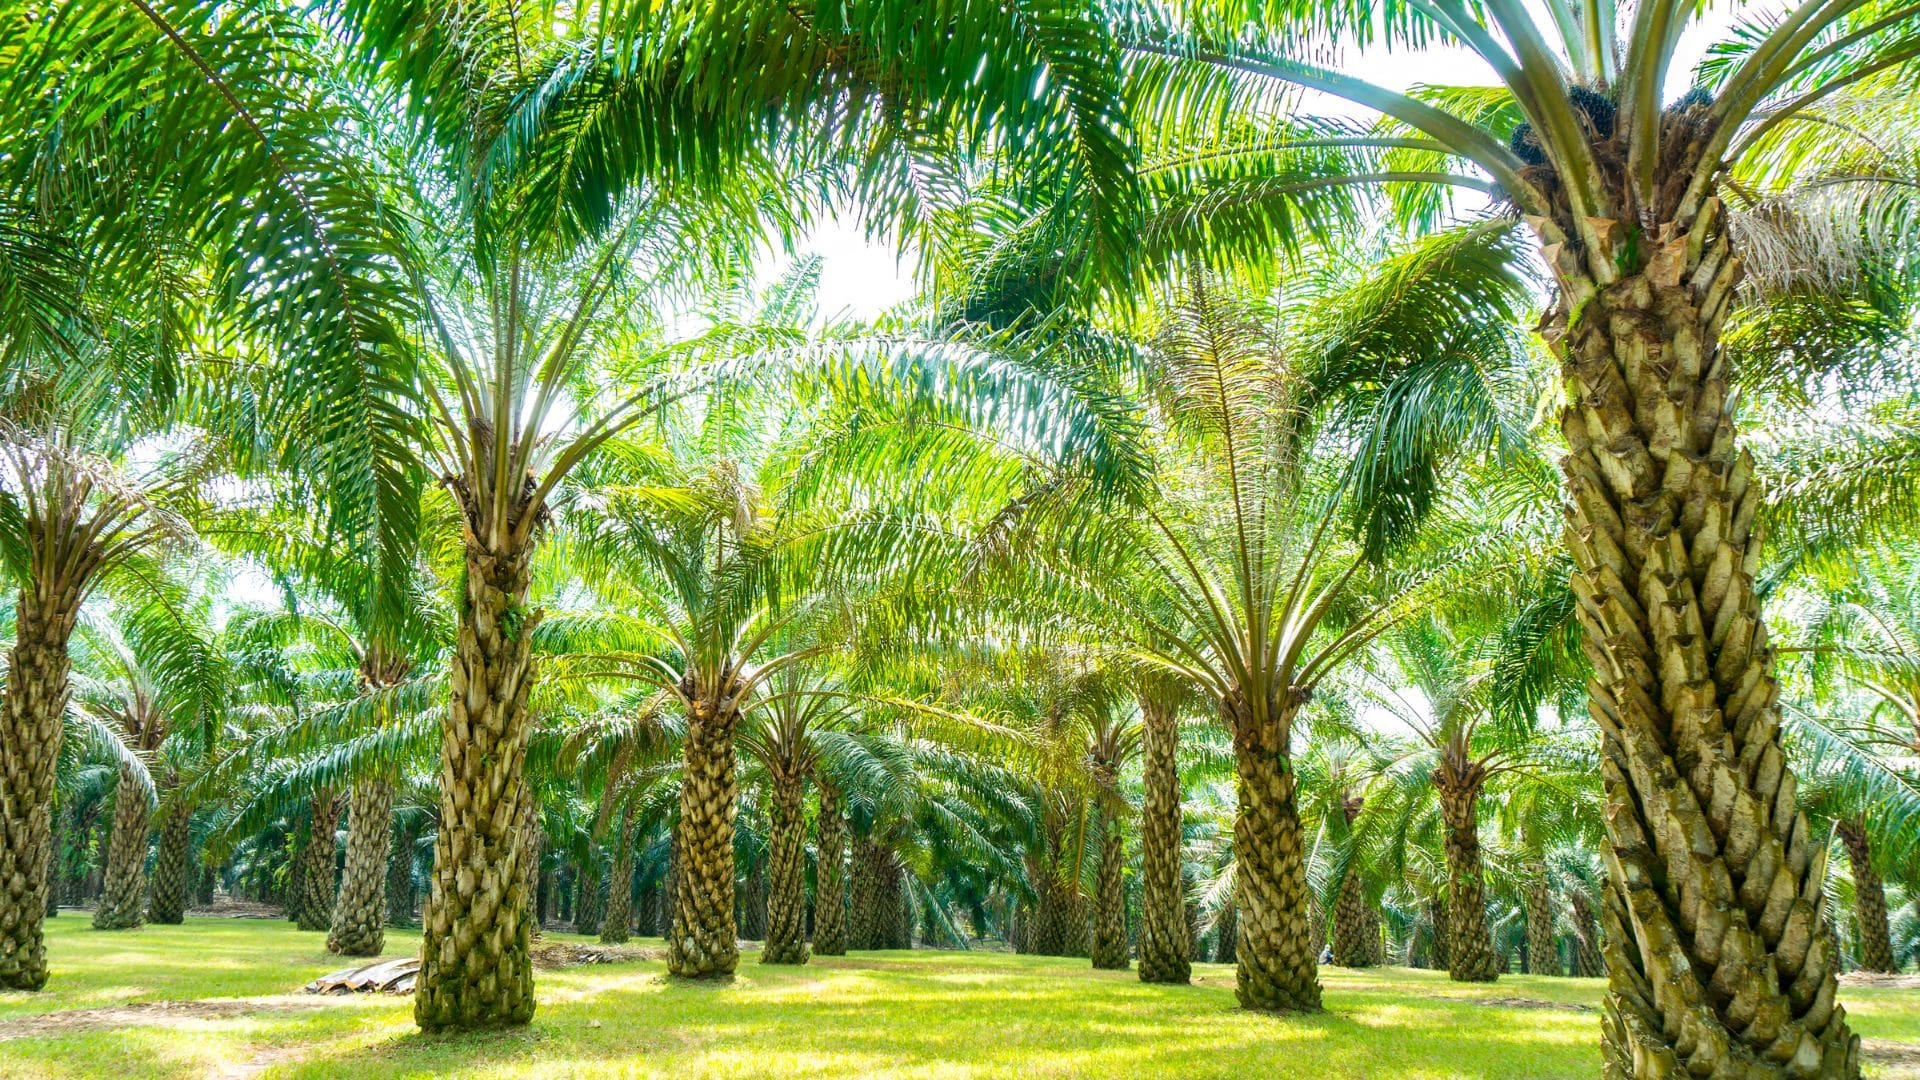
(1597, 107)
(1696, 98)
(1526, 146)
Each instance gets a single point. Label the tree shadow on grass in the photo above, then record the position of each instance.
(993, 1022)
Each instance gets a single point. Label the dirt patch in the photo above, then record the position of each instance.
(1896, 1060)
(168, 1014)
(229, 907)
(559, 954)
(1532, 1003)
(1874, 978)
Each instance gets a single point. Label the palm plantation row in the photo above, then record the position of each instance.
(1186, 560)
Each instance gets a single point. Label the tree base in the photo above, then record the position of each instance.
(784, 954)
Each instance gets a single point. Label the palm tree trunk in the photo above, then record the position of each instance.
(1438, 916)
(168, 904)
(124, 897)
(1586, 936)
(1869, 900)
(587, 904)
(1110, 900)
(1277, 968)
(863, 928)
(296, 887)
(669, 888)
(900, 904)
(1356, 927)
(617, 926)
(1542, 958)
(1375, 937)
(359, 916)
(1351, 947)
(1469, 943)
(787, 898)
(1049, 929)
(704, 934)
(1718, 952)
(317, 875)
(751, 916)
(205, 878)
(400, 879)
(31, 708)
(1226, 941)
(532, 839)
(1164, 942)
(829, 876)
(476, 966)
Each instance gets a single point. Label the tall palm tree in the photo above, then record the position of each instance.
(1264, 601)
(82, 510)
(1165, 946)
(1637, 204)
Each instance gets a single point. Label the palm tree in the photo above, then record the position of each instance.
(1636, 203)
(1853, 732)
(83, 510)
(360, 619)
(1266, 605)
(1115, 741)
(154, 674)
(1165, 944)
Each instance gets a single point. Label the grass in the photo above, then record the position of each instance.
(919, 1014)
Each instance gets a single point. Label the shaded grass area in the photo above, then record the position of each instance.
(219, 997)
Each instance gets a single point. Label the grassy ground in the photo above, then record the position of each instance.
(219, 997)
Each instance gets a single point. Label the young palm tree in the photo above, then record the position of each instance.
(1264, 605)
(352, 624)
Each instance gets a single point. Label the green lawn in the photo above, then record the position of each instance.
(219, 997)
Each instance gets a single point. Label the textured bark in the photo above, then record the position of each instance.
(787, 872)
(295, 899)
(1586, 937)
(1442, 930)
(1542, 957)
(1376, 936)
(400, 880)
(123, 898)
(1469, 943)
(1109, 945)
(1869, 900)
(669, 888)
(829, 876)
(1164, 941)
(1351, 925)
(703, 939)
(1717, 948)
(864, 927)
(320, 857)
(1226, 940)
(168, 904)
(900, 927)
(589, 902)
(205, 879)
(359, 915)
(476, 966)
(1060, 912)
(31, 708)
(1277, 967)
(751, 915)
(617, 926)
(533, 839)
